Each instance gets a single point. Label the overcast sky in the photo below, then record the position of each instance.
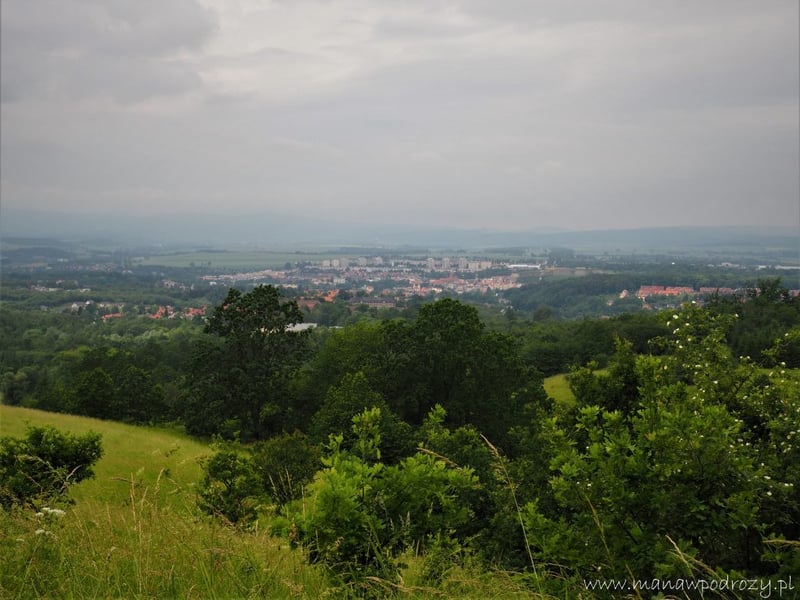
(494, 114)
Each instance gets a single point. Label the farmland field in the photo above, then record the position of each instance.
(232, 259)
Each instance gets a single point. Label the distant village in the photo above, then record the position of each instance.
(384, 283)
(378, 280)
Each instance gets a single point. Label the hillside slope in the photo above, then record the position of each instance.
(130, 453)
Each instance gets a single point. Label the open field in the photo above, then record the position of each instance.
(232, 259)
(557, 387)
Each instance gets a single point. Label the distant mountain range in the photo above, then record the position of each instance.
(272, 231)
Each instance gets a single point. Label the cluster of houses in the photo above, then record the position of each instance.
(161, 312)
(648, 291)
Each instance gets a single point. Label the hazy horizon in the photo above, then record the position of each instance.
(464, 114)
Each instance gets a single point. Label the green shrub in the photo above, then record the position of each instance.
(43, 465)
(286, 464)
(231, 487)
(697, 467)
(360, 514)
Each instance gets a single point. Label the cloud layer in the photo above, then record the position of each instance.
(501, 115)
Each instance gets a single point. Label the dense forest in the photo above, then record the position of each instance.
(673, 454)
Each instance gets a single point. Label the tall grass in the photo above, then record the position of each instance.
(135, 532)
(145, 454)
(141, 549)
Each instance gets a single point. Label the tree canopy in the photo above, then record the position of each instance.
(239, 374)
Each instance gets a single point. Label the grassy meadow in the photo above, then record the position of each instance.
(142, 455)
(134, 532)
(557, 387)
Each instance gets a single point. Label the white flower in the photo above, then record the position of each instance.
(40, 531)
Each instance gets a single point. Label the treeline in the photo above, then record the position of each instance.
(133, 288)
(597, 293)
(129, 369)
(72, 363)
(435, 433)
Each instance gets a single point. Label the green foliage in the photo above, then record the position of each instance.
(689, 447)
(446, 357)
(238, 482)
(766, 315)
(360, 514)
(615, 389)
(44, 464)
(231, 487)
(667, 457)
(572, 296)
(139, 400)
(94, 394)
(239, 378)
(286, 464)
(347, 350)
(349, 398)
(554, 347)
(131, 378)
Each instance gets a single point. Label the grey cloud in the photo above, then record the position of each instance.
(592, 113)
(124, 50)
